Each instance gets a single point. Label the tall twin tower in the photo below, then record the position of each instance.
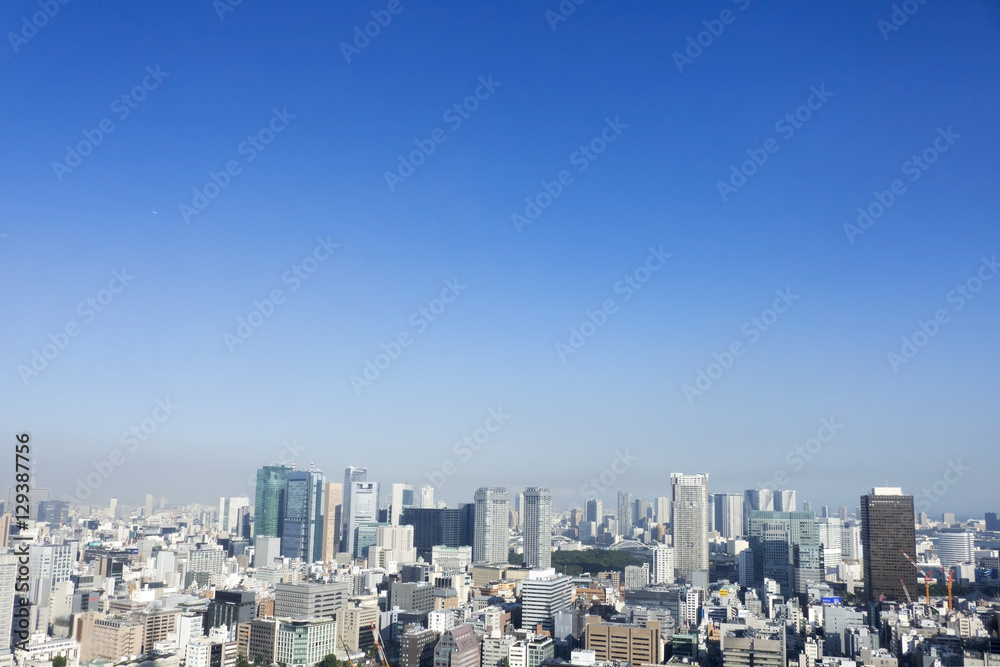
(491, 541)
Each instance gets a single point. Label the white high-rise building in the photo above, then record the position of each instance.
(850, 543)
(830, 536)
(663, 566)
(229, 508)
(491, 541)
(351, 475)
(729, 515)
(360, 507)
(543, 594)
(49, 564)
(8, 577)
(689, 495)
(401, 497)
(427, 497)
(661, 506)
(956, 547)
(393, 548)
(537, 507)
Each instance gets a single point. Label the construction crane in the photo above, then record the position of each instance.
(927, 579)
(909, 600)
(378, 646)
(343, 639)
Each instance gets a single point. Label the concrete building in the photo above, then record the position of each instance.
(543, 594)
(305, 503)
(663, 565)
(689, 498)
(491, 540)
(310, 600)
(333, 521)
(417, 647)
(303, 642)
(728, 510)
(458, 647)
(956, 547)
(110, 637)
(632, 643)
(537, 527)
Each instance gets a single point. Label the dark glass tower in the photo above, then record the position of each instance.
(305, 507)
(887, 530)
(269, 510)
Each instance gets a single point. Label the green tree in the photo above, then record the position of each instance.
(329, 661)
(240, 662)
(59, 661)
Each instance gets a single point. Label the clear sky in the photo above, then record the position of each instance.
(620, 143)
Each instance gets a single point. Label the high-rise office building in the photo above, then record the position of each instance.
(305, 503)
(401, 497)
(8, 579)
(842, 513)
(269, 501)
(595, 510)
(767, 500)
(333, 520)
(956, 547)
(625, 514)
(427, 497)
(363, 511)
(786, 548)
(230, 608)
(491, 541)
(537, 504)
(643, 512)
(266, 549)
(54, 512)
(729, 515)
(689, 497)
(228, 511)
(830, 536)
(887, 531)
(543, 594)
(147, 510)
(444, 526)
(992, 522)
(661, 509)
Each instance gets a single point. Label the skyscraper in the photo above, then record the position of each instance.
(767, 500)
(729, 515)
(401, 497)
(333, 520)
(544, 594)
(427, 497)
(305, 504)
(363, 509)
(269, 506)
(228, 510)
(595, 510)
(625, 514)
(537, 504)
(661, 507)
(786, 548)
(887, 530)
(689, 495)
(492, 541)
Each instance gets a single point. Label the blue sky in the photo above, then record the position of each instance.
(495, 345)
